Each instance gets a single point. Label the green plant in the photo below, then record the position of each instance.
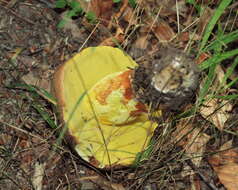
(132, 3)
(75, 9)
(91, 16)
(36, 94)
(217, 49)
(116, 1)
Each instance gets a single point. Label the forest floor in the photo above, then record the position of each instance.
(36, 37)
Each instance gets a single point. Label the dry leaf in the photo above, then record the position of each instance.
(114, 40)
(141, 42)
(220, 74)
(195, 182)
(5, 139)
(216, 111)
(122, 9)
(36, 80)
(170, 8)
(196, 145)
(192, 140)
(38, 175)
(202, 57)
(129, 16)
(184, 37)
(225, 164)
(163, 32)
(101, 8)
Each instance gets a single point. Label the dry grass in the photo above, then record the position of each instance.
(180, 152)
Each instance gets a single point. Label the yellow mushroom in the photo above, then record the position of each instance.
(107, 126)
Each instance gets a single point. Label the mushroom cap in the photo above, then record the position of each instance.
(107, 126)
(169, 80)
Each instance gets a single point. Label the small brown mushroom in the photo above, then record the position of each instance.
(168, 82)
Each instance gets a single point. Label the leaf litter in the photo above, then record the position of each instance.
(32, 26)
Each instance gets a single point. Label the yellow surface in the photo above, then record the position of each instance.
(106, 132)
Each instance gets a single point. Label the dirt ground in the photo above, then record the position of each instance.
(31, 48)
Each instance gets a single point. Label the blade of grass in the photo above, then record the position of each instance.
(94, 113)
(231, 84)
(218, 49)
(194, 3)
(40, 91)
(62, 133)
(218, 12)
(218, 58)
(223, 40)
(144, 155)
(208, 82)
(228, 97)
(223, 84)
(230, 70)
(45, 116)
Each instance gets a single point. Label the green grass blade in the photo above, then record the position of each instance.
(218, 58)
(208, 82)
(228, 97)
(45, 116)
(194, 3)
(144, 155)
(62, 133)
(230, 70)
(219, 11)
(231, 84)
(40, 91)
(223, 40)
(218, 49)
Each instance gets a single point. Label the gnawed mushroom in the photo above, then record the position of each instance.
(107, 126)
(167, 82)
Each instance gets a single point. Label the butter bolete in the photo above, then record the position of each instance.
(107, 126)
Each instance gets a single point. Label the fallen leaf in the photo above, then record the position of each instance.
(33, 79)
(122, 9)
(184, 37)
(217, 112)
(37, 178)
(163, 32)
(220, 74)
(170, 8)
(225, 164)
(192, 139)
(101, 8)
(202, 57)
(196, 145)
(141, 42)
(5, 139)
(129, 16)
(114, 40)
